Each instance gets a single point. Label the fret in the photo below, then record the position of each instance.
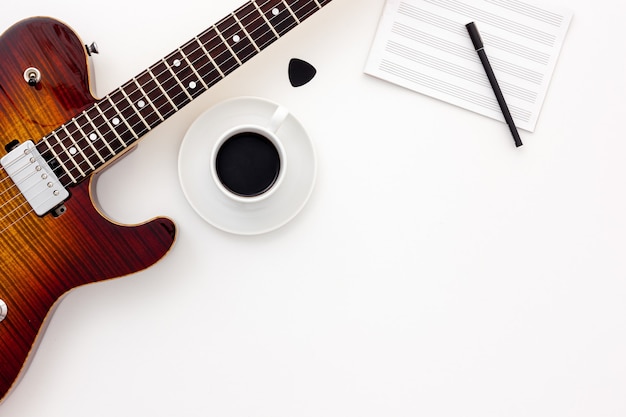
(56, 157)
(256, 25)
(58, 139)
(109, 126)
(265, 18)
(197, 76)
(202, 63)
(78, 151)
(162, 90)
(116, 117)
(169, 85)
(288, 6)
(219, 52)
(244, 29)
(190, 87)
(303, 8)
(277, 13)
(116, 127)
(103, 131)
(227, 44)
(205, 66)
(129, 113)
(53, 162)
(185, 73)
(155, 95)
(145, 107)
(94, 137)
(89, 149)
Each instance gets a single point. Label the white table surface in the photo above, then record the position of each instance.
(436, 270)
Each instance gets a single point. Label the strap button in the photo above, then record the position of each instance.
(4, 310)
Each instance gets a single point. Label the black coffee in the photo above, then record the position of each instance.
(247, 164)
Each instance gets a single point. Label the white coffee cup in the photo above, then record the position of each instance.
(248, 162)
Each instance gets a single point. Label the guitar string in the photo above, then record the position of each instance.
(182, 92)
(255, 11)
(99, 127)
(173, 77)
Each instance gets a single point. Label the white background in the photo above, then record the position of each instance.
(436, 271)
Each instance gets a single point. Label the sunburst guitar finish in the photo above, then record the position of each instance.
(41, 258)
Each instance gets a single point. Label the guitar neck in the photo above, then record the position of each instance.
(112, 124)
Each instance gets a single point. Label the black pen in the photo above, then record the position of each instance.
(478, 45)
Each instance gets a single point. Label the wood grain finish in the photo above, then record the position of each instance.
(41, 258)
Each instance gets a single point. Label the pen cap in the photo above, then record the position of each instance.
(474, 35)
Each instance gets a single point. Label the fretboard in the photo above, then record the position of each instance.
(114, 123)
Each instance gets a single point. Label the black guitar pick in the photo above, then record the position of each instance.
(300, 72)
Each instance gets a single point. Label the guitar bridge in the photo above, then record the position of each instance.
(34, 178)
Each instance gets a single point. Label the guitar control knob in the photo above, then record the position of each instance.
(3, 310)
(32, 76)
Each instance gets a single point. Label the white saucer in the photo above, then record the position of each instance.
(211, 203)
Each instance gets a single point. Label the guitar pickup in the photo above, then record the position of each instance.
(34, 178)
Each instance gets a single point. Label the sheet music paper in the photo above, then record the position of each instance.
(423, 45)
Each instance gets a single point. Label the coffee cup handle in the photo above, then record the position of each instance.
(278, 118)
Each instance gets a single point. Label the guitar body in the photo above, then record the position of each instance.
(42, 258)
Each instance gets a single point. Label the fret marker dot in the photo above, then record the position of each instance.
(275, 11)
(115, 121)
(177, 63)
(73, 150)
(236, 38)
(93, 137)
(141, 104)
(192, 85)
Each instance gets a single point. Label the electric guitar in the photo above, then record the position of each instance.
(57, 135)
